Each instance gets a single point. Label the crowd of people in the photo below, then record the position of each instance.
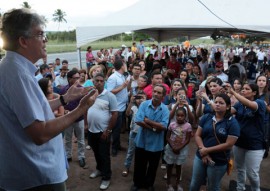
(163, 96)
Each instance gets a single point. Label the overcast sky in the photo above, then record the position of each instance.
(78, 11)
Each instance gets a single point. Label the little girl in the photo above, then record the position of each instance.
(132, 109)
(176, 151)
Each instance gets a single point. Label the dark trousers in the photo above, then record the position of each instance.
(116, 132)
(101, 149)
(47, 187)
(145, 167)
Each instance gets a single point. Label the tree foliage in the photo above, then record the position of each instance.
(62, 36)
(59, 17)
(26, 5)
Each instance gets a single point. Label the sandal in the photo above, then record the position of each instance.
(125, 173)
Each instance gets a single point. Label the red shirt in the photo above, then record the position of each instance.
(148, 90)
(176, 66)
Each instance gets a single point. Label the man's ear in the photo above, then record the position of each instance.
(23, 42)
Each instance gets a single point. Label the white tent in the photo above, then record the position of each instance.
(166, 19)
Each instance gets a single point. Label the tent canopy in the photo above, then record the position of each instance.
(164, 20)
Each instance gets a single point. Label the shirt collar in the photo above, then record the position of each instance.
(118, 74)
(27, 63)
(151, 105)
(103, 92)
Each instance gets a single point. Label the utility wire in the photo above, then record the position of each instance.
(228, 22)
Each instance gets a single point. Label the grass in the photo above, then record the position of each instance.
(58, 47)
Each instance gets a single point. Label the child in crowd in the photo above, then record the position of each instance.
(176, 151)
(132, 109)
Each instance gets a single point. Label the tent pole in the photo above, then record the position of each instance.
(79, 57)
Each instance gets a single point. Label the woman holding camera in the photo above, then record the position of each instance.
(205, 103)
(215, 136)
(249, 148)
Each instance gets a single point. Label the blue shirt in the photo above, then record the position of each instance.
(251, 124)
(114, 81)
(223, 128)
(207, 107)
(23, 164)
(266, 119)
(147, 138)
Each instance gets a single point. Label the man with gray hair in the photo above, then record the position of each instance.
(31, 149)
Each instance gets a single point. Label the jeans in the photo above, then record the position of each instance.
(131, 149)
(116, 132)
(200, 171)
(145, 167)
(101, 149)
(78, 127)
(247, 163)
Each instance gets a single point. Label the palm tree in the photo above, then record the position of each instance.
(59, 16)
(26, 5)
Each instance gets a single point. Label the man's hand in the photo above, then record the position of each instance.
(88, 100)
(105, 135)
(75, 92)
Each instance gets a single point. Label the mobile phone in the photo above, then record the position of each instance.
(211, 163)
(201, 88)
(128, 78)
(182, 97)
(138, 97)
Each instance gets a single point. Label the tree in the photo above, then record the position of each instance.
(59, 16)
(26, 5)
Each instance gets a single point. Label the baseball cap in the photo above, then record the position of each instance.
(190, 61)
(210, 71)
(219, 64)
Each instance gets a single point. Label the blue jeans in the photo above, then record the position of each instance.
(247, 163)
(131, 149)
(200, 171)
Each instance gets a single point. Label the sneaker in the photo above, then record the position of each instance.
(88, 147)
(179, 188)
(95, 174)
(104, 184)
(82, 162)
(165, 176)
(170, 188)
(163, 166)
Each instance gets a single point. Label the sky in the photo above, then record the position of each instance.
(78, 12)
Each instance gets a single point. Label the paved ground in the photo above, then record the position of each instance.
(79, 178)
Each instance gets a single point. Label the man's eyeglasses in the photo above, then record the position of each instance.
(76, 78)
(41, 35)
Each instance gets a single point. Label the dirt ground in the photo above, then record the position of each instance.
(79, 177)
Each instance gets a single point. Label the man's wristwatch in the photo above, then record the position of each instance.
(62, 100)
(154, 129)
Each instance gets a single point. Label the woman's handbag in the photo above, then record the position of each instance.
(230, 160)
(230, 166)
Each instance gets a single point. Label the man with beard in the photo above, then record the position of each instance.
(153, 118)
